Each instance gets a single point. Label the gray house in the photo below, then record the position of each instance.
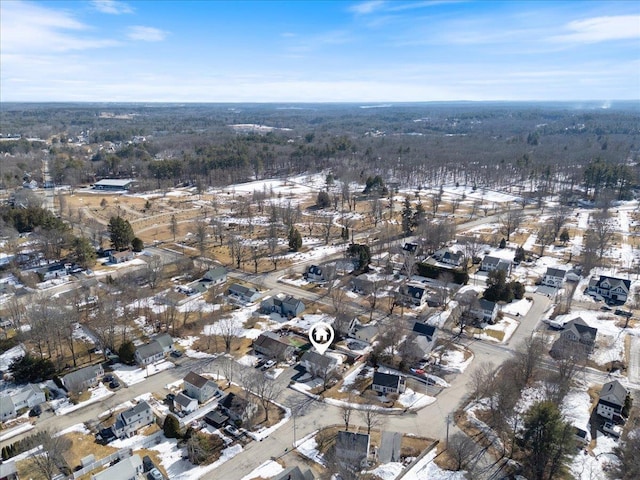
(200, 388)
(287, 307)
(412, 295)
(352, 449)
(27, 397)
(318, 365)
(315, 274)
(614, 289)
(389, 450)
(388, 383)
(83, 378)
(485, 310)
(121, 257)
(126, 469)
(155, 350)
(294, 473)
(576, 331)
(130, 421)
(270, 345)
(242, 293)
(490, 263)
(185, 403)
(361, 286)
(8, 471)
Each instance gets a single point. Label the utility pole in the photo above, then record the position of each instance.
(446, 447)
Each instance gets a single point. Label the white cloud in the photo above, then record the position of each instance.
(365, 8)
(111, 7)
(601, 29)
(146, 34)
(29, 28)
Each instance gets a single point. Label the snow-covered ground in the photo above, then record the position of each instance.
(426, 469)
(131, 375)
(63, 406)
(267, 470)
(453, 360)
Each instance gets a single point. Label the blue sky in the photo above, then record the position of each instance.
(318, 51)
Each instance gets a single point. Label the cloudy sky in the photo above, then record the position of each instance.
(318, 51)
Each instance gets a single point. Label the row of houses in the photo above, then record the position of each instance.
(19, 401)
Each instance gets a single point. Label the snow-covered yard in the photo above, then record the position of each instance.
(131, 375)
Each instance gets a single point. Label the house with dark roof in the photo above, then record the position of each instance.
(215, 276)
(315, 274)
(242, 293)
(409, 247)
(352, 449)
(155, 350)
(130, 421)
(83, 378)
(55, 270)
(415, 295)
(200, 388)
(271, 345)
(485, 310)
(427, 336)
(113, 184)
(611, 401)
(318, 365)
(577, 331)
(490, 263)
(26, 397)
(286, 307)
(238, 409)
(184, 403)
(610, 288)
(553, 277)
(388, 383)
(361, 286)
(216, 418)
(126, 469)
(452, 258)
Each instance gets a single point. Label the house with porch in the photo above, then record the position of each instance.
(610, 288)
(490, 263)
(315, 274)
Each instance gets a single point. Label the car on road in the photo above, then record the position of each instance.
(623, 313)
(231, 430)
(418, 371)
(268, 364)
(155, 474)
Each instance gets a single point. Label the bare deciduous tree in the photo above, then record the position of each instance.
(48, 461)
(371, 417)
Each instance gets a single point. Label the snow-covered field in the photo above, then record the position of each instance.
(131, 375)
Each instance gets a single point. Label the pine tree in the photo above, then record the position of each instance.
(295, 240)
(407, 217)
(171, 427)
(121, 233)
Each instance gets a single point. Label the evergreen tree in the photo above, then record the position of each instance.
(295, 240)
(419, 215)
(83, 252)
(407, 217)
(564, 236)
(323, 200)
(547, 441)
(121, 233)
(126, 352)
(171, 427)
(137, 244)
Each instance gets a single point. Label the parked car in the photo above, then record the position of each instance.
(35, 411)
(155, 474)
(169, 398)
(108, 378)
(231, 430)
(260, 363)
(268, 364)
(176, 353)
(114, 384)
(147, 463)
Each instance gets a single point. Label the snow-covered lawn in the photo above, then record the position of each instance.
(387, 471)
(267, 470)
(414, 400)
(308, 320)
(517, 307)
(500, 332)
(9, 356)
(98, 393)
(132, 375)
(187, 343)
(453, 360)
(309, 448)
(426, 469)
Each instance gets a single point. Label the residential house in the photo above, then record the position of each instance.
(8, 471)
(315, 274)
(409, 248)
(83, 378)
(610, 288)
(184, 403)
(238, 409)
(388, 383)
(26, 397)
(318, 365)
(361, 286)
(485, 310)
(389, 450)
(412, 295)
(611, 401)
(242, 293)
(426, 337)
(287, 307)
(554, 277)
(294, 473)
(352, 449)
(121, 257)
(213, 276)
(126, 469)
(55, 270)
(576, 331)
(200, 388)
(452, 258)
(155, 350)
(421, 347)
(364, 333)
(490, 263)
(216, 419)
(130, 421)
(271, 345)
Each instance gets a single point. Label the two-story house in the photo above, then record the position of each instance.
(610, 288)
(484, 310)
(388, 383)
(553, 277)
(490, 263)
(315, 274)
(287, 307)
(415, 295)
(352, 449)
(184, 403)
(270, 345)
(83, 378)
(130, 421)
(318, 365)
(200, 388)
(430, 335)
(612, 400)
(577, 331)
(26, 397)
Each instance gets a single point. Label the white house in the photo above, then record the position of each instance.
(27, 397)
(130, 421)
(184, 403)
(83, 378)
(554, 277)
(126, 469)
(155, 350)
(318, 365)
(485, 310)
(612, 399)
(200, 388)
(614, 289)
(490, 263)
(388, 383)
